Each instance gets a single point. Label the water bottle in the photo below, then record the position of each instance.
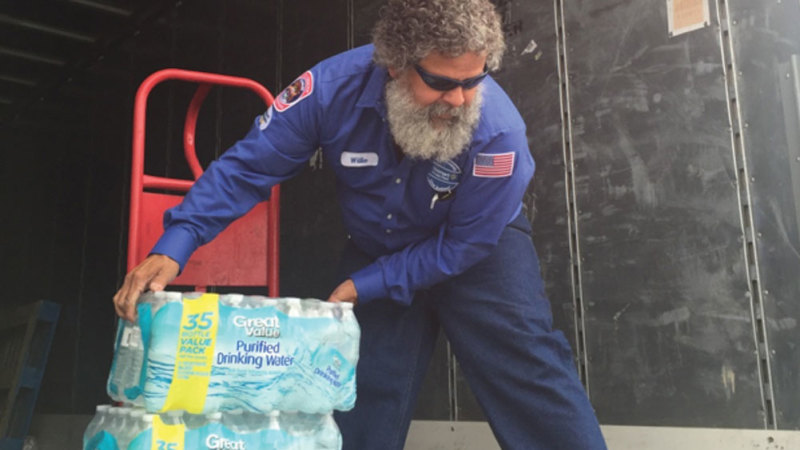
(118, 421)
(173, 418)
(232, 300)
(235, 421)
(348, 342)
(294, 307)
(332, 381)
(194, 421)
(212, 435)
(143, 434)
(309, 432)
(273, 437)
(131, 429)
(98, 423)
(123, 424)
(105, 438)
(350, 333)
(328, 436)
(128, 358)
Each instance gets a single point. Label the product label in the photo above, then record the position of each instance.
(333, 368)
(167, 437)
(251, 339)
(215, 441)
(215, 436)
(195, 355)
(209, 355)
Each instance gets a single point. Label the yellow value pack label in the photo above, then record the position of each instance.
(195, 355)
(167, 437)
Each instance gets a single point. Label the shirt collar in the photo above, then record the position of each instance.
(373, 93)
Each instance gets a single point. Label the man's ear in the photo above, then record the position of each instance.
(393, 72)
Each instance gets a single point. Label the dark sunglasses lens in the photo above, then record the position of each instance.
(472, 82)
(439, 84)
(446, 84)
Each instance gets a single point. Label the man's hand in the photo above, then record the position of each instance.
(154, 273)
(345, 292)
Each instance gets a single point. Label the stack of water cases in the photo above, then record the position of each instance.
(209, 371)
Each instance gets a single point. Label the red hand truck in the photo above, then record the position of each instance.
(244, 254)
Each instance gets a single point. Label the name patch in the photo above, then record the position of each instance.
(353, 159)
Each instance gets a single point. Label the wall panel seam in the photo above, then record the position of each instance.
(743, 180)
(572, 203)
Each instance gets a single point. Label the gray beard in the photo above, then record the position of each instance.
(413, 130)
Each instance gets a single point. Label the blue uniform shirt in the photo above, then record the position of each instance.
(388, 205)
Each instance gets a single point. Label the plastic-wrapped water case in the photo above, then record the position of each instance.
(133, 429)
(206, 353)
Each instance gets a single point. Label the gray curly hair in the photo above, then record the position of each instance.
(408, 30)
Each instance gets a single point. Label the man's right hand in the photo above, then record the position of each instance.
(154, 273)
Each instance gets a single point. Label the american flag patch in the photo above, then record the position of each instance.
(493, 165)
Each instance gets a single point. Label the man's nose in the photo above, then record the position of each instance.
(454, 97)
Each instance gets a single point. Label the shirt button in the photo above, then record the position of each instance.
(388, 231)
(398, 180)
(389, 216)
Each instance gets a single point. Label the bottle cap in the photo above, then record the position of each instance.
(232, 299)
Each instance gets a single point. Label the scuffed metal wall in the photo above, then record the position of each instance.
(765, 55)
(668, 234)
(668, 329)
(683, 153)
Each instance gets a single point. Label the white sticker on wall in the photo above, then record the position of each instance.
(684, 16)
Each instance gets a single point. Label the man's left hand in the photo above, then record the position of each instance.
(345, 292)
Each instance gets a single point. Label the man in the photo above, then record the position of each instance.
(432, 163)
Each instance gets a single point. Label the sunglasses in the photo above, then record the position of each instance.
(445, 84)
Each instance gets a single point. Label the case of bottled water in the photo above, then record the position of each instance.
(207, 353)
(116, 428)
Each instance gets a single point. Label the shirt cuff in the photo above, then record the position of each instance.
(178, 244)
(369, 283)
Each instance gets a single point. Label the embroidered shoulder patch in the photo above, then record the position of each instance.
(265, 119)
(298, 90)
(493, 165)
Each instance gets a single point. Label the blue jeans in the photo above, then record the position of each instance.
(499, 325)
